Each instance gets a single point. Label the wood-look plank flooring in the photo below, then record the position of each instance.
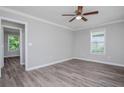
(73, 73)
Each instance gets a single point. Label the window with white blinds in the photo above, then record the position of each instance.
(98, 41)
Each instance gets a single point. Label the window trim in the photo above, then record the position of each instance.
(98, 30)
(9, 44)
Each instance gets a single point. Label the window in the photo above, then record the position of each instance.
(98, 41)
(13, 42)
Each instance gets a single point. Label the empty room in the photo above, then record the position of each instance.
(61, 46)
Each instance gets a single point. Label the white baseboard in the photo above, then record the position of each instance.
(11, 56)
(98, 61)
(85, 59)
(45, 65)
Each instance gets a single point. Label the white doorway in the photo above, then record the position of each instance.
(23, 52)
(1, 50)
(17, 32)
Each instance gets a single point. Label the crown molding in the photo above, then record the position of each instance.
(33, 17)
(103, 24)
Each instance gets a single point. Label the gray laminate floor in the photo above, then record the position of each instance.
(73, 73)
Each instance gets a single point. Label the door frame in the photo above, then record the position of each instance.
(20, 45)
(1, 46)
(26, 37)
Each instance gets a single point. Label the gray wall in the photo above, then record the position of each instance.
(114, 44)
(8, 53)
(49, 43)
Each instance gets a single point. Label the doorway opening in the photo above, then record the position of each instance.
(13, 42)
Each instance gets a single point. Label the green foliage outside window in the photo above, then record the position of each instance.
(13, 42)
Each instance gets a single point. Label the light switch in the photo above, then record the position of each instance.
(30, 44)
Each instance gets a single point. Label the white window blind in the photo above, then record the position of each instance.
(98, 41)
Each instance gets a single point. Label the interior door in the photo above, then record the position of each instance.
(1, 49)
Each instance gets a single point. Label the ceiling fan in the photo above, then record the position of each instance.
(80, 15)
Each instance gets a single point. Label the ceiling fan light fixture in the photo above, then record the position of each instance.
(78, 17)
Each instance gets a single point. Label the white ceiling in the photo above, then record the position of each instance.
(53, 14)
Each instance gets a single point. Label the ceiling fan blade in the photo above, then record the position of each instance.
(72, 19)
(83, 18)
(91, 13)
(68, 15)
